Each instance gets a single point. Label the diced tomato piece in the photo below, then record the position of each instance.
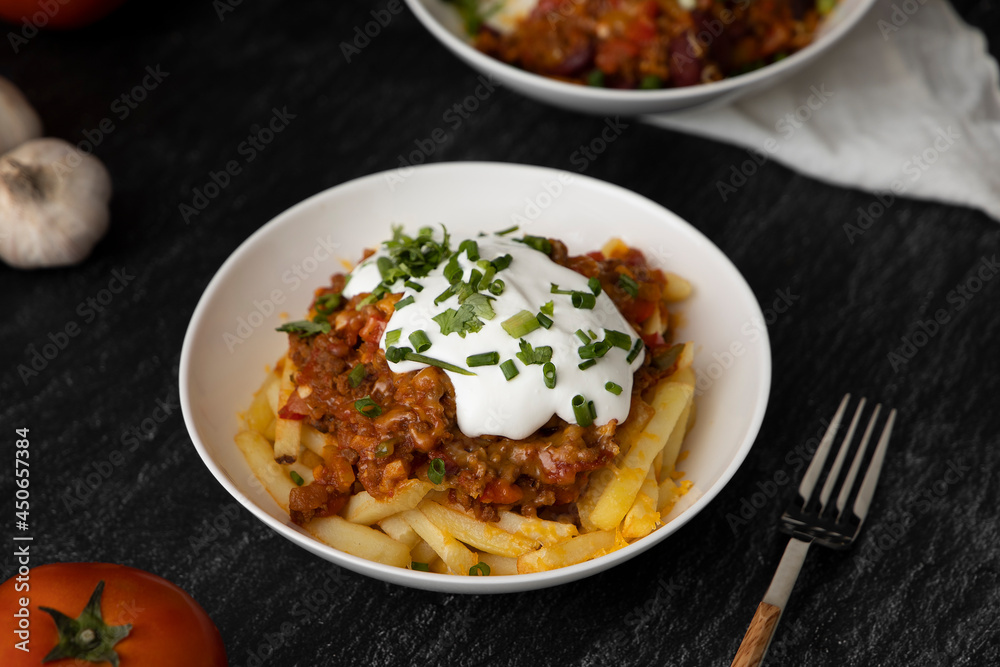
(654, 340)
(501, 492)
(295, 408)
(639, 310)
(372, 331)
(596, 255)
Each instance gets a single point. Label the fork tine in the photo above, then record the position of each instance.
(838, 462)
(819, 458)
(867, 490)
(852, 474)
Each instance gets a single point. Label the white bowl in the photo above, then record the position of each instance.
(443, 22)
(231, 336)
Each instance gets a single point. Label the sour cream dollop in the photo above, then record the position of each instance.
(487, 402)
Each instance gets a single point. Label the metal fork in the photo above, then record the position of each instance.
(811, 518)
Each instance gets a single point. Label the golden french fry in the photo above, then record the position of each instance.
(615, 248)
(639, 416)
(677, 288)
(360, 541)
(545, 532)
(482, 535)
(269, 432)
(568, 552)
(259, 415)
(363, 508)
(682, 496)
(686, 357)
(499, 565)
(683, 375)
(670, 400)
(456, 555)
(642, 517)
(674, 442)
(272, 390)
(260, 457)
(421, 552)
(287, 432)
(399, 530)
(315, 441)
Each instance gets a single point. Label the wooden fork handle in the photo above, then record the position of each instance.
(758, 636)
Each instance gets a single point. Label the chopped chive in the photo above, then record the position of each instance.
(629, 285)
(297, 478)
(666, 358)
(554, 289)
(403, 303)
(488, 272)
(581, 411)
(509, 369)
(357, 375)
(368, 407)
(470, 248)
(583, 300)
(594, 350)
(539, 243)
(549, 374)
(474, 279)
(635, 350)
(651, 82)
(595, 78)
(445, 295)
(502, 262)
(385, 265)
(548, 308)
(583, 336)
(444, 365)
(592, 410)
(496, 287)
(520, 324)
(595, 285)
(384, 449)
(544, 320)
(509, 230)
(416, 287)
(392, 337)
(483, 359)
(305, 328)
(613, 388)
(420, 341)
(618, 339)
(420, 567)
(396, 354)
(435, 472)
(586, 364)
(452, 270)
(479, 569)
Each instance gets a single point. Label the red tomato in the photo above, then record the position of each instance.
(63, 14)
(168, 627)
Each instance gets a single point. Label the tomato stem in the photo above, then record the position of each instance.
(86, 637)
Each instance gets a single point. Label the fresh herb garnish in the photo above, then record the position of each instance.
(357, 375)
(479, 569)
(581, 411)
(397, 354)
(549, 374)
(296, 477)
(534, 355)
(539, 243)
(304, 328)
(520, 324)
(368, 407)
(435, 472)
(595, 285)
(483, 359)
(420, 567)
(618, 339)
(629, 285)
(509, 369)
(420, 341)
(635, 350)
(613, 388)
(460, 321)
(548, 308)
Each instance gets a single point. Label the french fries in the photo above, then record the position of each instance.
(364, 509)
(422, 526)
(288, 432)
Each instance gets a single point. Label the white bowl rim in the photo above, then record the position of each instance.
(579, 93)
(451, 583)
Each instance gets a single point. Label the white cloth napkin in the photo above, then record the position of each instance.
(911, 108)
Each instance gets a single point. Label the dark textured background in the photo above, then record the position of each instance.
(920, 588)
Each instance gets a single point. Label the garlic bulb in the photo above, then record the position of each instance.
(18, 121)
(53, 204)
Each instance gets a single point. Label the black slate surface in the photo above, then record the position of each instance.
(117, 479)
